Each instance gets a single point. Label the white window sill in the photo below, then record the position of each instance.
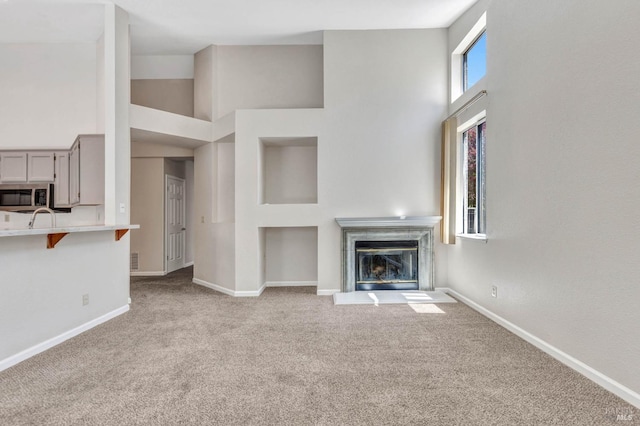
(474, 237)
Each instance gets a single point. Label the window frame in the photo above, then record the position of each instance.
(465, 75)
(457, 61)
(480, 232)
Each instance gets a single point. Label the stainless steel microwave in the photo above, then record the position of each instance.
(25, 197)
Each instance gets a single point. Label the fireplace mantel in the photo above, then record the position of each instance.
(388, 222)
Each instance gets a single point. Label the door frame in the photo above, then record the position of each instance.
(166, 221)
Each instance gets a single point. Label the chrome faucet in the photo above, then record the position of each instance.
(43, 209)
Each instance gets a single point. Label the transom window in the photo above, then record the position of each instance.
(474, 62)
(474, 192)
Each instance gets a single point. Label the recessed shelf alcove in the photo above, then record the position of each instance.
(289, 170)
(290, 256)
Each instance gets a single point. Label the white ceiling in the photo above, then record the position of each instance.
(186, 26)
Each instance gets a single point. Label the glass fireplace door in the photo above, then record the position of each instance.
(386, 265)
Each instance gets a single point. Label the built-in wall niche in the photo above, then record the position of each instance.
(289, 170)
(289, 255)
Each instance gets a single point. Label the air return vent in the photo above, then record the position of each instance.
(134, 261)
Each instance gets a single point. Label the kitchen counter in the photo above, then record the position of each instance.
(63, 230)
(56, 234)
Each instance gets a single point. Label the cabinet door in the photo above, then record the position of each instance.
(13, 167)
(61, 183)
(91, 165)
(74, 175)
(40, 167)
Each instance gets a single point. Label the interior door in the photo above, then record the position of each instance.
(175, 223)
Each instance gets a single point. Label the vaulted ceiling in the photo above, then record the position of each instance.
(186, 26)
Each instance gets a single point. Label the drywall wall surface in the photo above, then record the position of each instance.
(117, 140)
(205, 84)
(48, 94)
(214, 257)
(171, 95)
(378, 146)
(251, 77)
(251, 126)
(100, 85)
(149, 149)
(190, 213)
(561, 180)
(174, 168)
(290, 174)
(162, 67)
(224, 202)
(42, 303)
(291, 255)
(385, 99)
(147, 210)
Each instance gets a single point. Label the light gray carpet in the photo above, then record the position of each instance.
(185, 354)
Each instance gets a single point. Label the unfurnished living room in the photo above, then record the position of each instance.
(287, 212)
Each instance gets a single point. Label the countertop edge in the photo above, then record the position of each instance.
(64, 230)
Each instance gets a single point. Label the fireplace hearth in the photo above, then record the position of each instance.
(388, 253)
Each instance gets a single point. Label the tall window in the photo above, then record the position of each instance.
(474, 62)
(474, 193)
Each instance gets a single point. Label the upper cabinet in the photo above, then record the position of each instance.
(40, 166)
(77, 174)
(86, 171)
(61, 182)
(13, 167)
(26, 166)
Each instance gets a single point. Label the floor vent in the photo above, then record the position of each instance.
(134, 261)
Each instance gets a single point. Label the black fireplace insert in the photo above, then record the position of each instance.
(386, 265)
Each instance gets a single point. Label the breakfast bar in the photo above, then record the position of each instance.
(54, 235)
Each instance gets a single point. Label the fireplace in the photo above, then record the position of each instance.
(388, 253)
(386, 265)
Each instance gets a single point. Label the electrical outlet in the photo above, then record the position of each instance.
(7, 217)
(494, 291)
(85, 299)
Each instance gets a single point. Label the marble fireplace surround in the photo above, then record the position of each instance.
(400, 228)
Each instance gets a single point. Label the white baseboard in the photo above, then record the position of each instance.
(47, 344)
(594, 375)
(228, 291)
(147, 273)
(291, 283)
(329, 292)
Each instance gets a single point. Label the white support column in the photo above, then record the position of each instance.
(117, 132)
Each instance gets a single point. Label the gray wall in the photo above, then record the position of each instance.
(252, 77)
(562, 175)
(147, 210)
(172, 95)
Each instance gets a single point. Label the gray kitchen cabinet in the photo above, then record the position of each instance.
(40, 166)
(61, 182)
(26, 166)
(13, 167)
(86, 171)
(77, 174)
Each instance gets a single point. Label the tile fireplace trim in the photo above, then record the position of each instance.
(424, 236)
